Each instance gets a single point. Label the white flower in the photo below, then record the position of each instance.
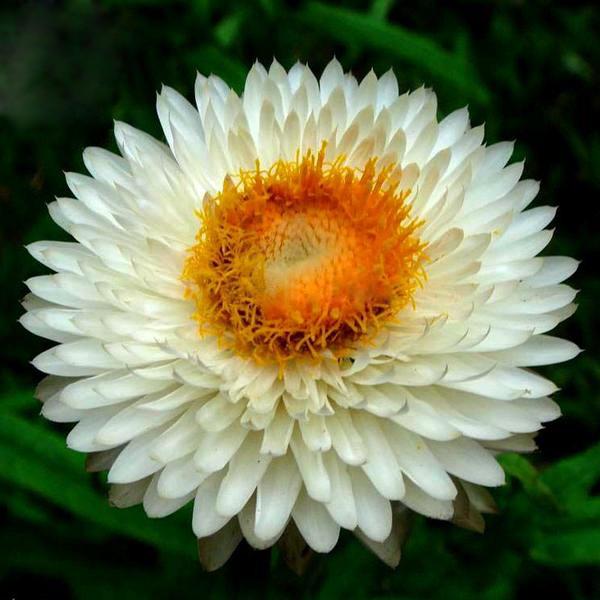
(315, 303)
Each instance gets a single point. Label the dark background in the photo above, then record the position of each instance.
(528, 69)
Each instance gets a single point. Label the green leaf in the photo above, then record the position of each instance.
(381, 8)
(227, 30)
(368, 31)
(92, 573)
(570, 536)
(38, 461)
(521, 469)
(581, 547)
(572, 477)
(17, 399)
(35, 438)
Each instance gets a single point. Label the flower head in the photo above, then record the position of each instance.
(315, 305)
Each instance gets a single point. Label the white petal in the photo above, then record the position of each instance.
(381, 466)
(342, 506)
(538, 350)
(555, 270)
(206, 520)
(135, 461)
(246, 519)
(276, 495)
(219, 413)
(179, 439)
(83, 436)
(419, 464)
(132, 422)
(216, 449)
(417, 500)
(468, 460)
(179, 478)
(55, 410)
(156, 506)
(310, 465)
(109, 388)
(314, 523)
(278, 434)
(346, 440)
(246, 469)
(315, 434)
(373, 511)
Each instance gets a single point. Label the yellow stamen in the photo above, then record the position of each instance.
(303, 257)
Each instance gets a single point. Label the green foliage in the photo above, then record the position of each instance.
(369, 31)
(67, 68)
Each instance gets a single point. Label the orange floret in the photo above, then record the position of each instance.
(303, 257)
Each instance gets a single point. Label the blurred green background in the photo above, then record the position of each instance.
(529, 69)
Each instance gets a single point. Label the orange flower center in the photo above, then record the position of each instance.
(304, 257)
